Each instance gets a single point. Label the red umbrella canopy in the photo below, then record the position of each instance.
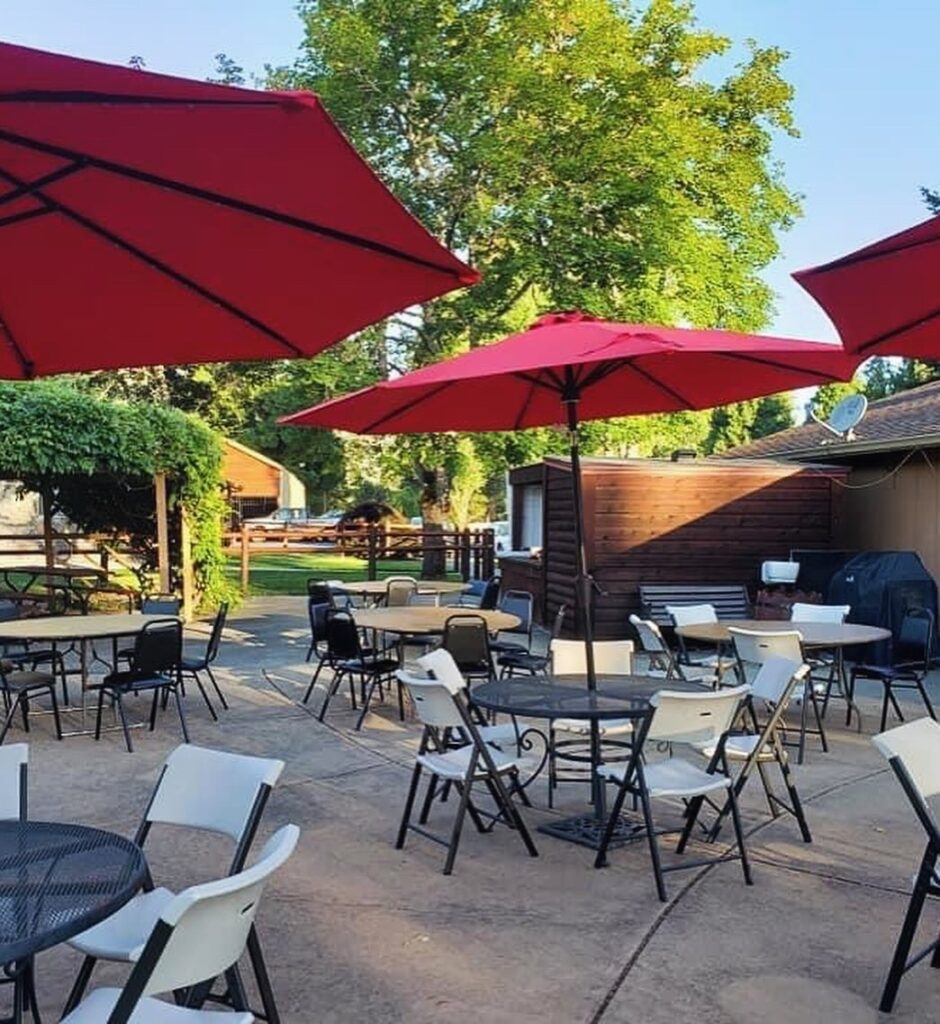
(612, 369)
(883, 299)
(147, 219)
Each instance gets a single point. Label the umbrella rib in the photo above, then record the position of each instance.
(26, 365)
(853, 259)
(153, 262)
(896, 331)
(675, 395)
(764, 361)
(85, 96)
(409, 403)
(15, 218)
(222, 200)
(48, 179)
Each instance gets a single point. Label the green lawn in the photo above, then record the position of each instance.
(288, 573)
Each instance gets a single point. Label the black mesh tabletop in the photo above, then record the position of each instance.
(57, 880)
(543, 697)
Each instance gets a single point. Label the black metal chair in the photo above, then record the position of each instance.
(913, 652)
(317, 612)
(521, 604)
(513, 661)
(490, 596)
(150, 604)
(913, 752)
(320, 592)
(347, 657)
(155, 666)
(467, 640)
(20, 685)
(203, 663)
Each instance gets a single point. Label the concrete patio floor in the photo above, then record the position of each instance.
(354, 930)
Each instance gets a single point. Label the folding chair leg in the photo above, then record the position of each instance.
(261, 978)
(653, 844)
(926, 699)
(366, 701)
(120, 710)
(205, 696)
(768, 792)
(24, 710)
(692, 812)
(908, 930)
(182, 713)
(55, 713)
(513, 815)
(80, 984)
(801, 751)
(216, 687)
(458, 825)
(334, 686)
(313, 681)
(601, 859)
(154, 704)
(819, 723)
(739, 835)
(429, 799)
(795, 801)
(100, 713)
(409, 804)
(11, 714)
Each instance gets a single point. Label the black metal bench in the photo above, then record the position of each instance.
(730, 601)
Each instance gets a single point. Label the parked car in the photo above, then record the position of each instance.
(283, 519)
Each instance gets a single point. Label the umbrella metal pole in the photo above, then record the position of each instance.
(583, 587)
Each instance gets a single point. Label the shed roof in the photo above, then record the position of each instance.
(900, 422)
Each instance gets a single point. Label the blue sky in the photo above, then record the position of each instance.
(867, 98)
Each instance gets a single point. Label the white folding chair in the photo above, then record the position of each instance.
(199, 935)
(569, 658)
(696, 615)
(679, 717)
(208, 790)
(771, 690)
(661, 659)
(440, 704)
(913, 751)
(754, 647)
(827, 666)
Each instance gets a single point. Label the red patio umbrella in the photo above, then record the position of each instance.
(883, 298)
(570, 367)
(147, 219)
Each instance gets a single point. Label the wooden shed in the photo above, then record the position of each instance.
(257, 484)
(654, 521)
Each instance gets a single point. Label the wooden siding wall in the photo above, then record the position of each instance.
(709, 523)
(252, 477)
(891, 511)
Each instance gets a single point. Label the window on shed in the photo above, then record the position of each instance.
(530, 533)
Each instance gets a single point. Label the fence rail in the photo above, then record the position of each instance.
(470, 553)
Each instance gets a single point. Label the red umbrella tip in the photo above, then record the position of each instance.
(469, 276)
(563, 316)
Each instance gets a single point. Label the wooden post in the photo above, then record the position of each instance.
(372, 554)
(464, 546)
(189, 583)
(163, 533)
(489, 554)
(47, 528)
(246, 560)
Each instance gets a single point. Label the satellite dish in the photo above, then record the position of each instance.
(845, 416)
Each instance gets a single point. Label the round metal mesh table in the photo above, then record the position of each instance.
(56, 880)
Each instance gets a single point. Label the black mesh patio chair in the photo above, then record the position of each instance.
(490, 596)
(467, 640)
(203, 662)
(319, 592)
(347, 657)
(155, 666)
(913, 652)
(527, 662)
(317, 612)
(150, 604)
(399, 591)
(517, 638)
(913, 752)
(20, 685)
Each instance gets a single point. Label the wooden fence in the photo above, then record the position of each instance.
(469, 553)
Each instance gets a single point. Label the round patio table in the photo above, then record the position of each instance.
(56, 880)
(834, 636)
(376, 588)
(616, 697)
(420, 620)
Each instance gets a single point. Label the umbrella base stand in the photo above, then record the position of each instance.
(588, 830)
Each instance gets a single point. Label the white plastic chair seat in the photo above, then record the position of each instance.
(454, 764)
(739, 748)
(123, 935)
(580, 727)
(97, 1007)
(673, 777)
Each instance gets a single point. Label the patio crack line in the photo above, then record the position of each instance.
(617, 984)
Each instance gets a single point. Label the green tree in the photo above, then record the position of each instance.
(467, 482)
(573, 150)
(732, 425)
(828, 396)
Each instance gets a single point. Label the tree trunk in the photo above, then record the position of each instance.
(433, 511)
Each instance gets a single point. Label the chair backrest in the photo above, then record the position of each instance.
(342, 635)
(914, 643)
(803, 612)
(611, 657)
(319, 591)
(434, 702)
(913, 751)
(215, 791)
(424, 600)
(14, 761)
(399, 590)
(490, 596)
(215, 637)
(160, 604)
(521, 604)
(754, 646)
(649, 635)
(466, 638)
(774, 677)
(440, 663)
(691, 614)
(158, 647)
(317, 612)
(694, 717)
(203, 930)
